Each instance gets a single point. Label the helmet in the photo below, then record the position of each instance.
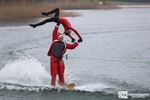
(60, 37)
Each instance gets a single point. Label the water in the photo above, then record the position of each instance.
(114, 56)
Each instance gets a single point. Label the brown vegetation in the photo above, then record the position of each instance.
(22, 10)
(19, 11)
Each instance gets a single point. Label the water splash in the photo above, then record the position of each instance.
(26, 70)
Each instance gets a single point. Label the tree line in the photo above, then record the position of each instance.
(137, 1)
(36, 0)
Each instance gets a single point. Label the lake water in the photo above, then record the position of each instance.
(114, 56)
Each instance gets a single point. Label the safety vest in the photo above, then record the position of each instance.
(58, 49)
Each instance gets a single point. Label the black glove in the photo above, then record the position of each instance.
(73, 40)
(44, 13)
(80, 40)
(32, 25)
(58, 23)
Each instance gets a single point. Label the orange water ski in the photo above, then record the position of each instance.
(71, 85)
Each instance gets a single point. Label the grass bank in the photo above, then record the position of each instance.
(25, 10)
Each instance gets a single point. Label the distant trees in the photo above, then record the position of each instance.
(39, 1)
(140, 1)
(36, 1)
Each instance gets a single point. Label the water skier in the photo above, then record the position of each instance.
(56, 52)
(66, 24)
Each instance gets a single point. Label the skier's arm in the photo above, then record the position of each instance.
(55, 32)
(49, 51)
(72, 39)
(71, 46)
(76, 32)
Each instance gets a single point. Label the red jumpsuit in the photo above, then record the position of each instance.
(66, 24)
(56, 64)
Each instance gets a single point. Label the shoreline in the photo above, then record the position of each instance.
(9, 17)
(26, 21)
(17, 11)
(134, 6)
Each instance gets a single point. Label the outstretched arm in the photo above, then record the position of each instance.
(76, 32)
(71, 46)
(72, 39)
(55, 32)
(49, 51)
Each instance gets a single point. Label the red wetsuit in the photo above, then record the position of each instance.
(56, 64)
(66, 24)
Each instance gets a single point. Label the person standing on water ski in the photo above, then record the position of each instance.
(66, 24)
(56, 52)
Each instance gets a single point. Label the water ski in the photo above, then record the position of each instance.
(71, 85)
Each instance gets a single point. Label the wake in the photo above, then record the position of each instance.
(28, 71)
(28, 74)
